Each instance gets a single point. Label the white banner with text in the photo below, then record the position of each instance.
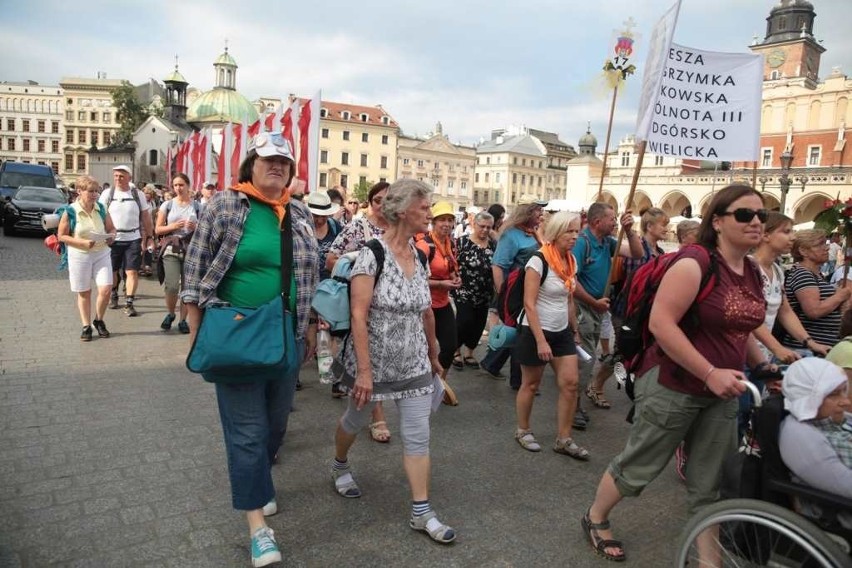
(707, 106)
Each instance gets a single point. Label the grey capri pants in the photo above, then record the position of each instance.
(414, 416)
(173, 268)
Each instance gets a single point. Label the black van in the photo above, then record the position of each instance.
(15, 174)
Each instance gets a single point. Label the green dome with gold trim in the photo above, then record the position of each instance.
(223, 103)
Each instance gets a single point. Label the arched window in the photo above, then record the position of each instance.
(153, 157)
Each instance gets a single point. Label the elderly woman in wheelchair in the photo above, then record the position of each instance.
(816, 436)
(802, 463)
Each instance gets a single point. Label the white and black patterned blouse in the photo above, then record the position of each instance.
(399, 354)
(475, 268)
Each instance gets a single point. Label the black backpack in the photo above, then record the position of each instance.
(510, 299)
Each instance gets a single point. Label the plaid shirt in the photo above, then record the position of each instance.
(839, 436)
(631, 264)
(214, 245)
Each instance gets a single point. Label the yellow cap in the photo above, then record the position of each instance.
(841, 354)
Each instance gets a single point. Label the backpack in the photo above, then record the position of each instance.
(634, 338)
(195, 206)
(331, 299)
(510, 299)
(135, 193)
(61, 248)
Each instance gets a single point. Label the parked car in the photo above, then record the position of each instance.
(23, 211)
(15, 174)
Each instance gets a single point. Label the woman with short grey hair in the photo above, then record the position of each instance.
(473, 298)
(391, 353)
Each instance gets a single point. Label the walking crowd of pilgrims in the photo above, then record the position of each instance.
(420, 309)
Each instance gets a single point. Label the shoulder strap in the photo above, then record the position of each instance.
(110, 195)
(545, 268)
(365, 225)
(197, 207)
(286, 238)
(427, 238)
(72, 219)
(379, 252)
(135, 193)
(168, 208)
(422, 256)
(709, 276)
(101, 210)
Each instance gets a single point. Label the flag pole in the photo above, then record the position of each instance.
(606, 144)
(639, 159)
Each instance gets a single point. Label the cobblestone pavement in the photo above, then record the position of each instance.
(111, 454)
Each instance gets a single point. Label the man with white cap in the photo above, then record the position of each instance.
(133, 225)
(816, 438)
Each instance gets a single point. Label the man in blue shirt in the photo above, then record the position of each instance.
(594, 250)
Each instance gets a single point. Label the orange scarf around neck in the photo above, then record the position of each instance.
(445, 247)
(554, 261)
(278, 205)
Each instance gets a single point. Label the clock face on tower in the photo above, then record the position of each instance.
(776, 58)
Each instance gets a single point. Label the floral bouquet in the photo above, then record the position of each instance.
(836, 217)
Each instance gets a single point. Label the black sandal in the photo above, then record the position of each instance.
(458, 363)
(471, 362)
(598, 544)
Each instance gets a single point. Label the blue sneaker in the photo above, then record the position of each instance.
(167, 322)
(264, 551)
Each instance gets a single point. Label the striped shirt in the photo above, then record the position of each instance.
(825, 330)
(215, 242)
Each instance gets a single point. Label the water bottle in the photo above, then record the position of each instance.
(324, 358)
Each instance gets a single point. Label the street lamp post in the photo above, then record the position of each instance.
(786, 160)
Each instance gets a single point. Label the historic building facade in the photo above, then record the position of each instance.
(90, 121)
(446, 166)
(358, 145)
(519, 161)
(31, 123)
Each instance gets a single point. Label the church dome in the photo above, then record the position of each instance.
(588, 143)
(223, 103)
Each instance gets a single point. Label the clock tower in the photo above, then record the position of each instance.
(789, 48)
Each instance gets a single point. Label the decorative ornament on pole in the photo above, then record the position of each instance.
(616, 70)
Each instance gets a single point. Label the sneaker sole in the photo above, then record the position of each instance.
(266, 559)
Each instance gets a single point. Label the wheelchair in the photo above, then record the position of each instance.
(764, 530)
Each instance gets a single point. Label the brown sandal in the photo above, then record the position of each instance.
(600, 544)
(597, 398)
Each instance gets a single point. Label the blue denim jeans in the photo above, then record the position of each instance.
(254, 419)
(494, 361)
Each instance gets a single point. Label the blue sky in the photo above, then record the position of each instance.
(475, 65)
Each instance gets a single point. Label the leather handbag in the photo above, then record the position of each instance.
(234, 341)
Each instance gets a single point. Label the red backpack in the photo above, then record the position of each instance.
(634, 338)
(510, 299)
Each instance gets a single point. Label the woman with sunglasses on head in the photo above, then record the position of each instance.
(477, 288)
(817, 304)
(689, 380)
(235, 258)
(351, 239)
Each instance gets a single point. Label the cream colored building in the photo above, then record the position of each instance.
(90, 120)
(31, 128)
(446, 166)
(358, 144)
(515, 162)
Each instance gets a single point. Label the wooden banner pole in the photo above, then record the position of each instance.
(606, 144)
(627, 205)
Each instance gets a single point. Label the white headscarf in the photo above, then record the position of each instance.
(806, 384)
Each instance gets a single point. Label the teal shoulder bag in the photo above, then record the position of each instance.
(232, 342)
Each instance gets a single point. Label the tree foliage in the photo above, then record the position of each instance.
(362, 190)
(130, 113)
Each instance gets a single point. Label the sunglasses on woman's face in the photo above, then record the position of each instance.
(745, 215)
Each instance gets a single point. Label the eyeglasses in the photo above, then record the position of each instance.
(353, 202)
(486, 227)
(745, 215)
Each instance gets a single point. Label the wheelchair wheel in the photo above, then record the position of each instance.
(746, 532)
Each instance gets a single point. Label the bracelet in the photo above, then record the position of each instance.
(312, 321)
(805, 341)
(707, 374)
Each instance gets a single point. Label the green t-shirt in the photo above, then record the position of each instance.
(254, 277)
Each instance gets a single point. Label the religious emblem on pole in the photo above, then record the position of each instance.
(616, 70)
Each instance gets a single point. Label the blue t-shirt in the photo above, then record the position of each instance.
(511, 242)
(594, 259)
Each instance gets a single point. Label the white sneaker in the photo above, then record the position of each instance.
(270, 508)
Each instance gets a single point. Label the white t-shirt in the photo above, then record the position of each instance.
(834, 251)
(552, 303)
(838, 275)
(177, 212)
(125, 213)
(773, 292)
